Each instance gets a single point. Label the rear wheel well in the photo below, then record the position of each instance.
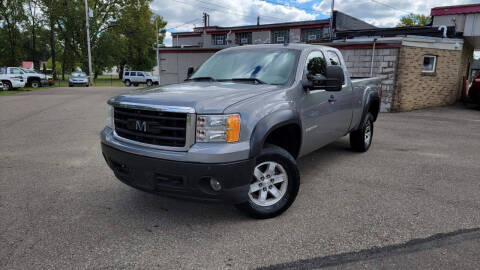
(287, 137)
(374, 108)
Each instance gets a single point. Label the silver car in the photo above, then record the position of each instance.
(78, 79)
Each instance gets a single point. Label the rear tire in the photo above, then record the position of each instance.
(135, 84)
(361, 139)
(274, 186)
(127, 83)
(7, 85)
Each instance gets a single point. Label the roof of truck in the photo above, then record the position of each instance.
(296, 46)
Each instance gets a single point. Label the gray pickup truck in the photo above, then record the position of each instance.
(233, 131)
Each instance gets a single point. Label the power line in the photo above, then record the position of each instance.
(188, 22)
(392, 7)
(290, 5)
(227, 9)
(241, 14)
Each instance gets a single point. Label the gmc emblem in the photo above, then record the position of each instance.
(141, 125)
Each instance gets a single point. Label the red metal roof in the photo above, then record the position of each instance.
(450, 10)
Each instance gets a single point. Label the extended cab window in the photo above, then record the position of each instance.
(133, 74)
(127, 73)
(315, 64)
(333, 58)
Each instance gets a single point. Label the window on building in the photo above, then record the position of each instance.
(333, 58)
(312, 35)
(429, 63)
(279, 36)
(243, 38)
(219, 39)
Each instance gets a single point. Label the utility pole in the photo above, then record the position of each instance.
(88, 44)
(156, 50)
(331, 21)
(204, 35)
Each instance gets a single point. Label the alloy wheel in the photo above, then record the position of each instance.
(269, 183)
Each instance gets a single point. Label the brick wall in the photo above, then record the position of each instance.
(415, 89)
(358, 63)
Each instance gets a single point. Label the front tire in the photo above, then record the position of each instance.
(35, 84)
(274, 186)
(361, 139)
(149, 83)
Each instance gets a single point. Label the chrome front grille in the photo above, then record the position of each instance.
(154, 128)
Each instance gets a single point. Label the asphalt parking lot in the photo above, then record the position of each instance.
(412, 201)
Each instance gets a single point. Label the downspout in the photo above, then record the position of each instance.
(373, 56)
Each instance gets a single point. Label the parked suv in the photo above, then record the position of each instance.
(233, 131)
(139, 77)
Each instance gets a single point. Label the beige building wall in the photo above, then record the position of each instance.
(174, 65)
(416, 90)
(187, 41)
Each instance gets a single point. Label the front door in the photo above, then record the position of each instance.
(317, 110)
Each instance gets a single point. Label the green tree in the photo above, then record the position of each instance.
(12, 15)
(413, 20)
(136, 25)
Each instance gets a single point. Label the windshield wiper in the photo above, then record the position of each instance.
(254, 80)
(202, 79)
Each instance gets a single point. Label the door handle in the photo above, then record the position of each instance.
(332, 99)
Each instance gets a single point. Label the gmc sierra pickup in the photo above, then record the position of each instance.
(233, 131)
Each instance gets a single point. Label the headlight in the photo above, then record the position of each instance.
(110, 120)
(218, 128)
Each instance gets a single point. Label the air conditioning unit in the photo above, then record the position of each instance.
(312, 37)
(244, 40)
(280, 39)
(219, 41)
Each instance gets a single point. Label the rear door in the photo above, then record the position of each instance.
(140, 77)
(341, 102)
(317, 112)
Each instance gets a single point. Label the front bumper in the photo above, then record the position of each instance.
(187, 180)
(77, 83)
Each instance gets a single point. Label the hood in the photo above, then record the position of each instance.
(204, 97)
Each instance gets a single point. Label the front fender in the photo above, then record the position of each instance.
(268, 124)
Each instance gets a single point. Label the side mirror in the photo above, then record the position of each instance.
(332, 81)
(190, 72)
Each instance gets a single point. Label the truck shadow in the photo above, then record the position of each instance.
(325, 156)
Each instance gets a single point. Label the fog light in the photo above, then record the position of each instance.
(215, 184)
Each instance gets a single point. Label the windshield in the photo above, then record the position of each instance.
(148, 74)
(79, 74)
(271, 66)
